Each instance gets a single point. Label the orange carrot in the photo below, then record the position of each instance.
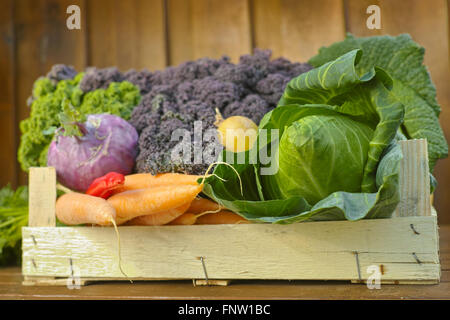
(135, 203)
(198, 208)
(77, 208)
(185, 219)
(159, 218)
(200, 205)
(147, 180)
(222, 217)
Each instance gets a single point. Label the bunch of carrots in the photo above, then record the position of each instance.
(143, 200)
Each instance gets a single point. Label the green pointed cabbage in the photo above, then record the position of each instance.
(315, 146)
(335, 127)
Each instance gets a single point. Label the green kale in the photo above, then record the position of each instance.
(119, 99)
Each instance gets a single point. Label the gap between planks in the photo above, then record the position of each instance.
(51, 281)
(43, 281)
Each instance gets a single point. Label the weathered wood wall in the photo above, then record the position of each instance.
(157, 33)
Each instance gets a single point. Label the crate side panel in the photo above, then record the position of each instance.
(414, 180)
(317, 250)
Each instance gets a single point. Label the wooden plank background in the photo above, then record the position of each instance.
(154, 34)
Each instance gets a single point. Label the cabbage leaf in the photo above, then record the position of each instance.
(402, 58)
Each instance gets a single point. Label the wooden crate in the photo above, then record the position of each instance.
(402, 249)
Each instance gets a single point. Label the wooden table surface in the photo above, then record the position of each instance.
(11, 287)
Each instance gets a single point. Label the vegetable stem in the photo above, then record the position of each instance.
(9, 222)
(63, 189)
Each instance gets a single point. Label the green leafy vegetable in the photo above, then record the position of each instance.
(51, 100)
(13, 216)
(402, 58)
(335, 127)
(69, 117)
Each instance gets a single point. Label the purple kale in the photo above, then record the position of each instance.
(241, 74)
(216, 93)
(272, 87)
(61, 72)
(287, 68)
(142, 79)
(100, 78)
(178, 96)
(260, 59)
(252, 106)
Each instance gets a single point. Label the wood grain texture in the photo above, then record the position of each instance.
(318, 250)
(42, 40)
(209, 28)
(179, 28)
(42, 197)
(414, 180)
(127, 34)
(266, 25)
(296, 29)
(8, 123)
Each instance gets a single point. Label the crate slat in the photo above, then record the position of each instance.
(315, 250)
(414, 180)
(42, 197)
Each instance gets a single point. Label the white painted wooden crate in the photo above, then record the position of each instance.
(403, 249)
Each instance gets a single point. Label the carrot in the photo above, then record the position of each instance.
(147, 180)
(200, 205)
(135, 203)
(155, 197)
(222, 217)
(188, 218)
(77, 208)
(185, 219)
(159, 218)
(198, 208)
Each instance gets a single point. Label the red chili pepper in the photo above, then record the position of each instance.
(102, 187)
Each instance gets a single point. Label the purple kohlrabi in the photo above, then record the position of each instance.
(107, 143)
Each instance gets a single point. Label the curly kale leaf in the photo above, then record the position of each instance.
(119, 99)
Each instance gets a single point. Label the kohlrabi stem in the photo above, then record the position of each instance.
(82, 128)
